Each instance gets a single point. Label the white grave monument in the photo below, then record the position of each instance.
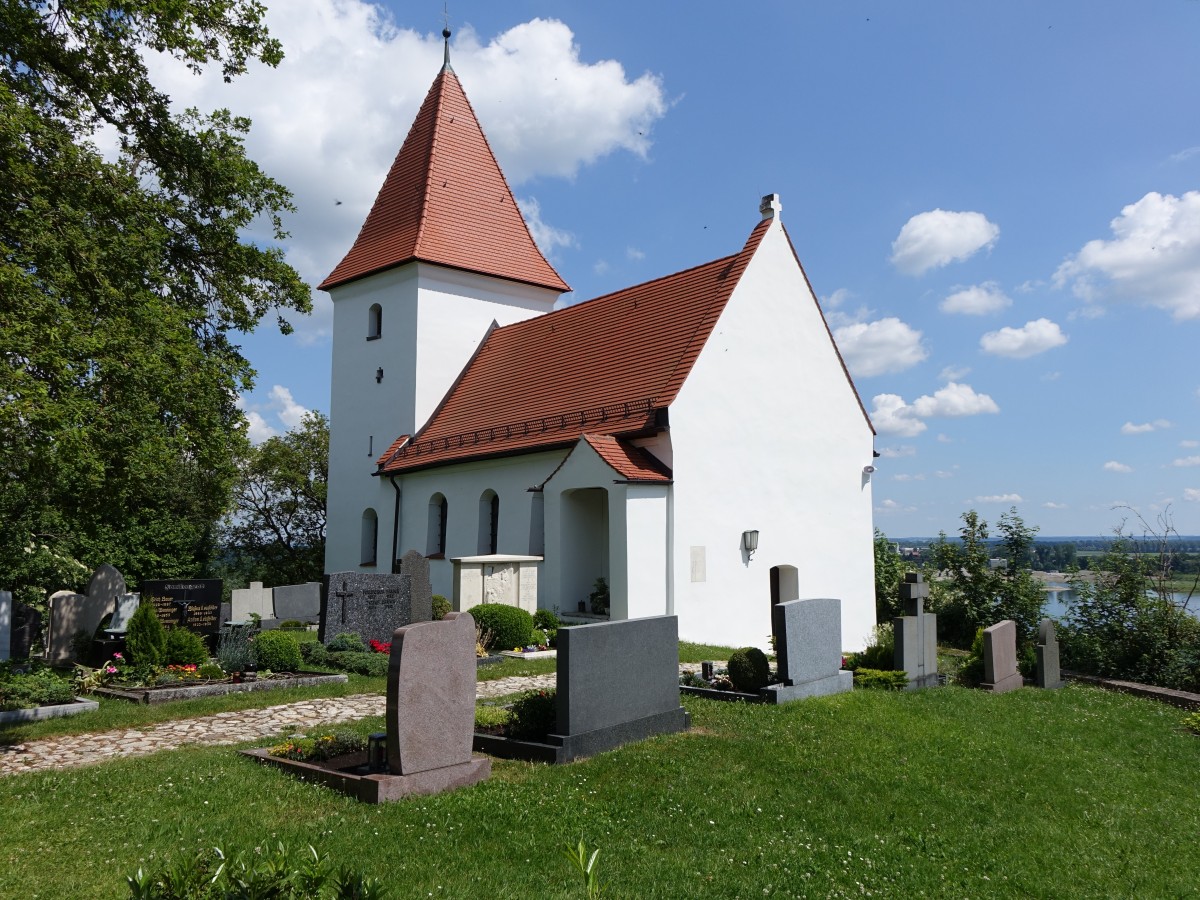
(496, 578)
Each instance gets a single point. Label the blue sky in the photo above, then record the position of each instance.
(998, 204)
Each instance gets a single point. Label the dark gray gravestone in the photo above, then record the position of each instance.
(371, 605)
(298, 601)
(5, 624)
(916, 634)
(416, 567)
(26, 630)
(193, 603)
(617, 682)
(1049, 672)
(808, 648)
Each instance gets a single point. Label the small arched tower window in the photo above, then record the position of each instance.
(489, 521)
(374, 322)
(370, 537)
(435, 540)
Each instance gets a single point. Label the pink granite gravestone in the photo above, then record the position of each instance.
(1000, 672)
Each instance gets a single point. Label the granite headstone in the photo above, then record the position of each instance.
(808, 650)
(1000, 658)
(106, 584)
(26, 630)
(1049, 671)
(127, 605)
(193, 603)
(72, 614)
(301, 602)
(5, 624)
(371, 605)
(420, 588)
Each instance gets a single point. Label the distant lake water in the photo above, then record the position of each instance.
(1058, 596)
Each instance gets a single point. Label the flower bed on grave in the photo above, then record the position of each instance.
(751, 675)
(37, 694)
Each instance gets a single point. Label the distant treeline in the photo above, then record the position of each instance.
(1057, 555)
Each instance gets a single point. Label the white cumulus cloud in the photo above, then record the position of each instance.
(1186, 462)
(1113, 466)
(977, 300)
(1145, 427)
(897, 452)
(547, 237)
(1189, 444)
(1029, 340)
(1192, 494)
(1153, 257)
(891, 415)
(880, 347)
(933, 239)
(1050, 504)
(999, 498)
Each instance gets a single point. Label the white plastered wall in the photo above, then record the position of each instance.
(433, 319)
(767, 434)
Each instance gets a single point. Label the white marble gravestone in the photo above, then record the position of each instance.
(496, 578)
(252, 600)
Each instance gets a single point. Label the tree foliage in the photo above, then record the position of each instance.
(122, 277)
(889, 572)
(974, 594)
(276, 533)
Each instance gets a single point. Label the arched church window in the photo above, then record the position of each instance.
(370, 537)
(435, 541)
(489, 520)
(374, 322)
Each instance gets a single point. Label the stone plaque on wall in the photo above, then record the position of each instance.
(371, 605)
(191, 603)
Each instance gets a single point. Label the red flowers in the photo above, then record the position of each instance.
(380, 646)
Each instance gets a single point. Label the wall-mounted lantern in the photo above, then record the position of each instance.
(379, 375)
(750, 542)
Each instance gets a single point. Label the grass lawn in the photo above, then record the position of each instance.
(945, 792)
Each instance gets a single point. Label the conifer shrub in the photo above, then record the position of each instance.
(145, 638)
(314, 653)
(749, 670)
(880, 679)
(510, 626)
(184, 648)
(375, 664)
(346, 642)
(441, 606)
(533, 716)
(278, 651)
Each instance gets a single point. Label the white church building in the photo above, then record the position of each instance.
(696, 440)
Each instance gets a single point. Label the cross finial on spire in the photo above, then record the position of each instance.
(446, 34)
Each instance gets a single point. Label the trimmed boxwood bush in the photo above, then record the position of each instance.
(346, 642)
(145, 639)
(441, 606)
(277, 651)
(749, 670)
(533, 716)
(510, 626)
(184, 648)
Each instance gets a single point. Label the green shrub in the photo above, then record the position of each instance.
(510, 626)
(314, 653)
(533, 716)
(40, 688)
(1192, 722)
(880, 653)
(145, 639)
(970, 673)
(545, 619)
(346, 642)
(880, 679)
(441, 606)
(749, 670)
(235, 651)
(320, 746)
(184, 648)
(210, 671)
(277, 651)
(368, 663)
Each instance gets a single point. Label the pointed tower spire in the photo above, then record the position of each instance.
(446, 38)
(445, 201)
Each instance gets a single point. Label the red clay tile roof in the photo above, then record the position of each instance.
(445, 201)
(630, 462)
(601, 367)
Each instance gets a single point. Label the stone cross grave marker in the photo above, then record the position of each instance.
(301, 602)
(5, 624)
(1049, 674)
(420, 588)
(254, 599)
(372, 605)
(1000, 658)
(916, 634)
(808, 649)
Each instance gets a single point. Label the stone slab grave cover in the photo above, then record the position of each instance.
(369, 604)
(430, 719)
(420, 588)
(617, 682)
(252, 600)
(1000, 658)
(496, 578)
(71, 613)
(1049, 671)
(5, 624)
(916, 634)
(301, 602)
(808, 650)
(192, 603)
